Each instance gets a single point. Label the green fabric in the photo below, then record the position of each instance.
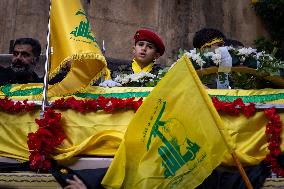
(254, 98)
(116, 95)
(36, 91)
(27, 92)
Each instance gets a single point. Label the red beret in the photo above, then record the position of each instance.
(150, 36)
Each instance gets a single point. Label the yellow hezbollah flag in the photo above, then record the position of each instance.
(73, 42)
(175, 139)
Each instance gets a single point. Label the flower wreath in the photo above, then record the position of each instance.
(273, 131)
(142, 79)
(50, 134)
(249, 57)
(273, 128)
(249, 70)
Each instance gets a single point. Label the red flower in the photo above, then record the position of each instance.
(273, 128)
(270, 112)
(273, 131)
(50, 133)
(249, 110)
(8, 105)
(59, 104)
(44, 140)
(106, 104)
(233, 108)
(135, 105)
(36, 160)
(39, 163)
(216, 103)
(46, 165)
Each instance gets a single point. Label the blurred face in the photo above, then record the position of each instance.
(214, 46)
(23, 61)
(145, 52)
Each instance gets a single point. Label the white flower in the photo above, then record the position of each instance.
(230, 47)
(259, 54)
(246, 51)
(122, 79)
(217, 58)
(208, 54)
(193, 55)
(243, 59)
(264, 61)
(200, 62)
(139, 77)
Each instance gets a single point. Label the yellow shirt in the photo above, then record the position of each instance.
(137, 69)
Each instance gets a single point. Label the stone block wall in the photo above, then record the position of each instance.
(115, 22)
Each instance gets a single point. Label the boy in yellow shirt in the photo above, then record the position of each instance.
(148, 47)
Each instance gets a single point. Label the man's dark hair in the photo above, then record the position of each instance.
(206, 35)
(233, 43)
(29, 41)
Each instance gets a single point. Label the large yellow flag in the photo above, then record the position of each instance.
(73, 42)
(175, 139)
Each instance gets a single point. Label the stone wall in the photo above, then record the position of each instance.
(115, 22)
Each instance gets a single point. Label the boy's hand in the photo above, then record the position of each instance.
(109, 83)
(75, 184)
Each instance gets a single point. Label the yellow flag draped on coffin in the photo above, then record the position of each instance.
(73, 42)
(174, 139)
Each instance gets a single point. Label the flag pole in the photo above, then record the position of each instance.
(103, 48)
(241, 170)
(46, 68)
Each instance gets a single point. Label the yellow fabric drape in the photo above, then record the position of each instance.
(96, 133)
(73, 43)
(164, 148)
(248, 137)
(248, 134)
(90, 134)
(137, 69)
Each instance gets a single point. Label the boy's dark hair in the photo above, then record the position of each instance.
(233, 43)
(206, 35)
(29, 41)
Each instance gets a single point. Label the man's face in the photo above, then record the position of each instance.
(23, 61)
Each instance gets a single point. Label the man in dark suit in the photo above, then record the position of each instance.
(26, 52)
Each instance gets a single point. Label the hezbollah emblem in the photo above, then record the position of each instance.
(176, 149)
(82, 32)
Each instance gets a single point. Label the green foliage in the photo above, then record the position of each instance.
(263, 44)
(272, 14)
(271, 11)
(238, 81)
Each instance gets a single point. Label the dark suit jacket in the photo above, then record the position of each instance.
(8, 76)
